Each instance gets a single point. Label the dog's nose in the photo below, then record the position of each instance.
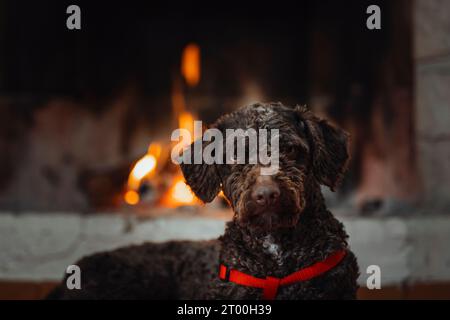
(265, 193)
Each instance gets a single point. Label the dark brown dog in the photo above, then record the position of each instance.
(280, 224)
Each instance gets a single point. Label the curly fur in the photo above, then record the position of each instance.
(301, 232)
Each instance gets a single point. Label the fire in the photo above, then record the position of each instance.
(131, 197)
(182, 193)
(178, 193)
(144, 168)
(186, 121)
(154, 149)
(190, 64)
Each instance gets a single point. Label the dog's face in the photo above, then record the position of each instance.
(311, 152)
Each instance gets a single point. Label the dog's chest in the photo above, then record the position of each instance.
(274, 250)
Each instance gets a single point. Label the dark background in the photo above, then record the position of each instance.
(140, 41)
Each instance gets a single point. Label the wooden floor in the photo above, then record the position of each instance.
(25, 290)
(34, 291)
(408, 292)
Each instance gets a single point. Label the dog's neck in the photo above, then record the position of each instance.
(280, 250)
(273, 243)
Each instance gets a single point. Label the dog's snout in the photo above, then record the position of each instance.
(265, 191)
(266, 195)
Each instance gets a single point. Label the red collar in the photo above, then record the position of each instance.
(270, 285)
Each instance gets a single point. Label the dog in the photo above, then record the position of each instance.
(282, 242)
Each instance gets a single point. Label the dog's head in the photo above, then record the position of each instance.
(311, 152)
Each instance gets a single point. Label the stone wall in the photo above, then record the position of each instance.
(432, 81)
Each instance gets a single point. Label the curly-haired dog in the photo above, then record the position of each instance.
(282, 243)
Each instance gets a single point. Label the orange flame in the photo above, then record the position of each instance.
(186, 121)
(144, 168)
(180, 194)
(131, 197)
(190, 64)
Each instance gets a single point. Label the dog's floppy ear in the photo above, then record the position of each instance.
(203, 178)
(329, 146)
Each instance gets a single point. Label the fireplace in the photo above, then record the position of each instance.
(93, 118)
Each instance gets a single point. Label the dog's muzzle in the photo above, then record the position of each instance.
(265, 193)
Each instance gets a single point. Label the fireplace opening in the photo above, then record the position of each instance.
(87, 116)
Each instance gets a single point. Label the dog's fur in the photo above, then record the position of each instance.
(262, 242)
